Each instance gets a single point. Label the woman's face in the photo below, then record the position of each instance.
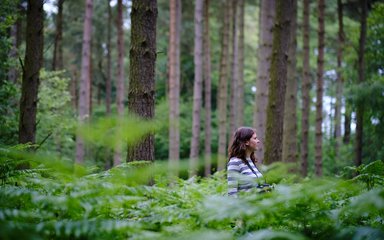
(253, 143)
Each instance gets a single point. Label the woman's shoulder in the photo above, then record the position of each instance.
(235, 160)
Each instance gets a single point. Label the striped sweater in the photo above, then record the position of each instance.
(240, 176)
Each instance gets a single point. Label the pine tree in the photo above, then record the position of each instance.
(142, 56)
(85, 80)
(277, 84)
(31, 78)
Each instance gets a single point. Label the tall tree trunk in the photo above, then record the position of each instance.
(85, 80)
(31, 78)
(90, 78)
(319, 92)
(120, 74)
(339, 80)
(277, 84)
(16, 37)
(174, 82)
(234, 95)
(223, 87)
(207, 91)
(240, 107)
(267, 16)
(142, 55)
(99, 90)
(73, 87)
(360, 106)
(305, 88)
(347, 124)
(108, 82)
(13, 73)
(290, 118)
(197, 88)
(57, 62)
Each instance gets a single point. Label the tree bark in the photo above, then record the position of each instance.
(234, 93)
(223, 88)
(174, 82)
(240, 107)
(13, 73)
(347, 124)
(108, 82)
(305, 88)
(319, 92)
(142, 55)
(197, 88)
(290, 118)
(277, 85)
(16, 37)
(207, 91)
(360, 106)
(57, 62)
(267, 16)
(339, 80)
(31, 78)
(120, 74)
(85, 80)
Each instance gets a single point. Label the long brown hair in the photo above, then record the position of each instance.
(238, 146)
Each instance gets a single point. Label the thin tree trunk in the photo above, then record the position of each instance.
(197, 88)
(207, 91)
(223, 88)
(290, 118)
(347, 124)
(277, 85)
(85, 80)
(120, 74)
(234, 95)
(319, 92)
(31, 78)
(240, 107)
(13, 73)
(57, 62)
(174, 83)
(339, 80)
(305, 88)
(360, 106)
(16, 37)
(120, 60)
(142, 55)
(108, 82)
(73, 88)
(267, 16)
(90, 80)
(99, 90)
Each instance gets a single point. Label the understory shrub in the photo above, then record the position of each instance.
(140, 200)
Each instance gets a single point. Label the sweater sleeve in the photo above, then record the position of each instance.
(233, 170)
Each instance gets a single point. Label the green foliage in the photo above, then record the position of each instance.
(368, 94)
(370, 174)
(9, 112)
(7, 18)
(375, 40)
(138, 200)
(56, 121)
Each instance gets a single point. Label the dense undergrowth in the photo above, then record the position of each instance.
(55, 200)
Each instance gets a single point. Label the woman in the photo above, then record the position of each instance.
(241, 167)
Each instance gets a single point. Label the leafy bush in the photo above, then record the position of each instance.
(9, 113)
(140, 201)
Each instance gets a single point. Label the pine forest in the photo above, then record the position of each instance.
(119, 119)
